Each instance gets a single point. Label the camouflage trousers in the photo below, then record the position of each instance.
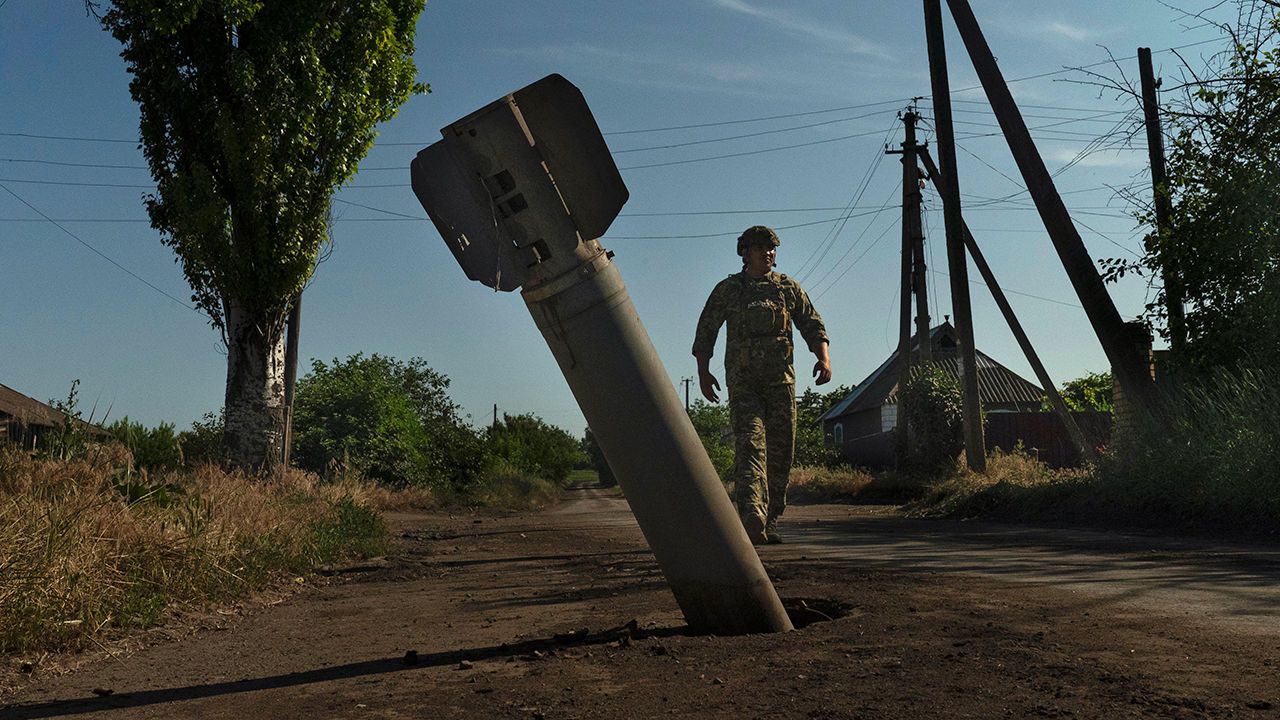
(764, 432)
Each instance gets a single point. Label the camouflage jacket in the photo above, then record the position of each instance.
(760, 314)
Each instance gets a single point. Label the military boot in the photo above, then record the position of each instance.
(754, 525)
(771, 535)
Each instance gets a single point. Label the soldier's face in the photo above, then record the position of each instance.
(761, 259)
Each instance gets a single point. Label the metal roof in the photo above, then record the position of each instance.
(997, 384)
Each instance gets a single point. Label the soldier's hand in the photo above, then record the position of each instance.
(709, 386)
(822, 371)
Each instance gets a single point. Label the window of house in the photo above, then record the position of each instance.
(837, 432)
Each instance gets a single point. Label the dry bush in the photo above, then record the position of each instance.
(88, 545)
(814, 483)
(1015, 485)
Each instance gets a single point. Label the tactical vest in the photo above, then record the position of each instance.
(758, 347)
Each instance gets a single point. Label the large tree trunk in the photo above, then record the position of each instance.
(255, 389)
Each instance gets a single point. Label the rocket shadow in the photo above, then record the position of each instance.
(409, 663)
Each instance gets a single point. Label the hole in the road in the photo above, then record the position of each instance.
(807, 611)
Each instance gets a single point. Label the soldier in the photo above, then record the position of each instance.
(760, 307)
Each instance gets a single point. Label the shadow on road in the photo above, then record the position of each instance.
(410, 662)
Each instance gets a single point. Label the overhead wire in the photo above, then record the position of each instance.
(824, 246)
(98, 252)
(856, 241)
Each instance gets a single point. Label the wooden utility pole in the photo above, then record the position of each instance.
(686, 382)
(1131, 372)
(290, 374)
(1163, 206)
(974, 443)
(1084, 447)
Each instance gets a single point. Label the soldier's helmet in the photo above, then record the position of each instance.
(756, 235)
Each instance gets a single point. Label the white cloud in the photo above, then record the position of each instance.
(1071, 32)
(848, 41)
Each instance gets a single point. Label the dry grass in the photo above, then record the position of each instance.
(87, 545)
(1015, 485)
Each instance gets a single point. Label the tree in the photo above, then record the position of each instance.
(932, 402)
(711, 422)
(1224, 240)
(531, 445)
(252, 113)
(393, 421)
(1091, 392)
(811, 444)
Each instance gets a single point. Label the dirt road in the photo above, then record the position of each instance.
(527, 616)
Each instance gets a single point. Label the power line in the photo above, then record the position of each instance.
(834, 232)
(750, 135)
(736, 232)
(856, 260)
(897, 101)
(1014, 292)
(95, 250)
(751, 152)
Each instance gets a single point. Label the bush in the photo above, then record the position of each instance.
(1213, 457)
(932, 403)
(84, 552)
(154, 449)
(714, 429)
(388, 420)
(527, 444)
(202, 444)
(811, 443)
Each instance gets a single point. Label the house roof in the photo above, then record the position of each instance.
(27, 409)
(997, 384)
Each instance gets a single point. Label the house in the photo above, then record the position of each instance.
(862, 424)
(25, 420)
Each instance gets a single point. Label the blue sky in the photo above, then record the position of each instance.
(100, 306)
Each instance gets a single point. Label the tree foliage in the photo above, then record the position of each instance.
(251, 114)
(531, 445)
(811, 445)
(1090, 392)
(391, 420)
(933, 405)
(711, 422)
(1223, 124)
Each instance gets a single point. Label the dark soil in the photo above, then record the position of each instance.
(564, 614)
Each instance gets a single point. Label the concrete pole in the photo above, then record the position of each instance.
(1173, 296)
(911, 179)
(1130, 371)
(974, 443)
(901, 432)
(519, 191)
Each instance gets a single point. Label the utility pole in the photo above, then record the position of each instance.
(912, 280)
(1160, 188)
(974, 444)
(290, 374)
(686, 382)
(1055, 398)
(1131, 371)
(911, 179)
(495, 415)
